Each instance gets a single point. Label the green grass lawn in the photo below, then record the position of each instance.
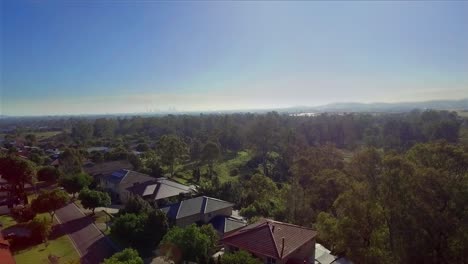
(7, 221)
(61, 247)
(46, 134)
(223, 168)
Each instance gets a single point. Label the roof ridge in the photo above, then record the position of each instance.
(219, 200)
(178, 209)
(288, 224)
(204, 203)
(273, 238)
(128, 171)
(246, 230)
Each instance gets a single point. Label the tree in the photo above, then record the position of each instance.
(210, 154)
(127, 256)
(76, 183)
(82, 131)
(239, 257)
(40, 228)
(104, 128)
(142, 147)
(142, 231)
(71, 161)
(194, 243)
(49, 174)
(17, 172)
(136, 205)
(30, 139)
(171, 149)
(50, 201)
(91, 199)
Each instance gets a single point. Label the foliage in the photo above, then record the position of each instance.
(76, 183)
(400, 205)
(17, 172)
(40, 228)
(142, 231)
(136, 205)
(91, 199)
(194, 243)
(127, 256)
(210, 153)
(82, 131)
(239, 257)
(71, 161)
(23, 213)
(171, 149)
(48, 174)
(50, 201)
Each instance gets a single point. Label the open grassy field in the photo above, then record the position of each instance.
(228, 168)
(46, 134)
(61, 247)
(462, 113)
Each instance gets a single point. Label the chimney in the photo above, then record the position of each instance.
(272, 228)
(282, 248)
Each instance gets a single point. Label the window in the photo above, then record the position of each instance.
(270, 261)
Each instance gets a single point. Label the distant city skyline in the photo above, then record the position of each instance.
(104, 57)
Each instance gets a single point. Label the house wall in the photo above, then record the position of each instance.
(182, 222)
(205, 218)
(307, 251)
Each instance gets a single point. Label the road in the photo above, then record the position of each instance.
(90, 243)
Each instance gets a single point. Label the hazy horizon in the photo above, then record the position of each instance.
(80, 57)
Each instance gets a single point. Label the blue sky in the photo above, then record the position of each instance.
(83, 57)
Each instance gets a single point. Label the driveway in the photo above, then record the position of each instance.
(90, 243)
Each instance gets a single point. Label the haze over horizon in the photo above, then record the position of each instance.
(83, 57)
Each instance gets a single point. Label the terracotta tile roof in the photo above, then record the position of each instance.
(5, 253)
(266, 237)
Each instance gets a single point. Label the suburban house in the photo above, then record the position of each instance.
(123, 183)
(324, 256)
(103, 168)
(274, 242)
(204, 210)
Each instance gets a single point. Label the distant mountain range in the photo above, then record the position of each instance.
(461, 104)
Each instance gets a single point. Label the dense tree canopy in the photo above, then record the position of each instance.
(126, 256)
(75, 183)
(171, 149)
(140, 226)
(50, 201)
(194, 243)
(17, 172)
(49, 174)
(90, 199)
(239, 257)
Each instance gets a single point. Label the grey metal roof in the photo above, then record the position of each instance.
(191, 207)
(213, 204)
(198, 205)
(231, 224)
(149, 190)
(145, 185)
(169, 188)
